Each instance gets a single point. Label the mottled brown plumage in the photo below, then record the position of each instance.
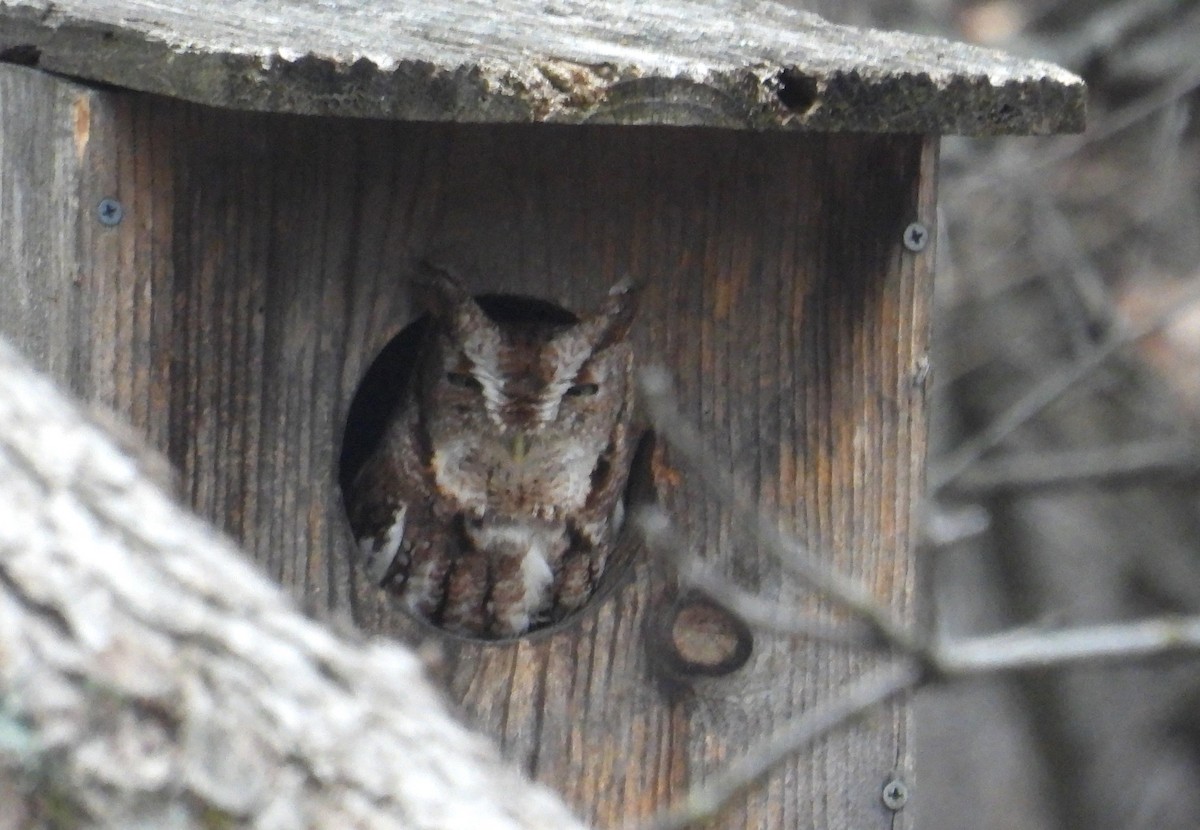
(493, 502)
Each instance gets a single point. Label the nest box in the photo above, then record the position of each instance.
(210, 213)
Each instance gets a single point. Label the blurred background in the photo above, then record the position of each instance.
(1063, 478)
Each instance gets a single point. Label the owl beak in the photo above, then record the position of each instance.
(518, 447)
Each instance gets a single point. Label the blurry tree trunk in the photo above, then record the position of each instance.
(149, 677)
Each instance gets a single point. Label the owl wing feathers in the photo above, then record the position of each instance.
(597, 526)
(520, 563)
(467, 581)
(390, 510)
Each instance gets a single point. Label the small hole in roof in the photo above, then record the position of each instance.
(22, 54)
(796, 91)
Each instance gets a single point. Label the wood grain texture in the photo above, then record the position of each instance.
(727, 63)
(87, 303)
(261, 266)
(40, 167)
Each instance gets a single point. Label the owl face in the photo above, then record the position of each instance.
(519, 414)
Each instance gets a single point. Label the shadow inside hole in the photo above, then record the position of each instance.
(383, 390)
(379, 395)
(795, 90)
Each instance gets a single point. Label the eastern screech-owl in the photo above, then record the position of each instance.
(495, 496)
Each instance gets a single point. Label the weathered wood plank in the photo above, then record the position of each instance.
(88, 303)
(724, 63)
(261, 266)
(43, 124)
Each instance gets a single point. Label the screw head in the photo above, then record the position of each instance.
(110, 212)
(895, 794)
(916, 237)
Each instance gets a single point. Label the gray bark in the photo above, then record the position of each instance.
(150, 677)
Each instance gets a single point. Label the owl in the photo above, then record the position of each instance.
(492, 502)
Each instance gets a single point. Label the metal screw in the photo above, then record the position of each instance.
(110, 212)
(916, 237)
(895, 794)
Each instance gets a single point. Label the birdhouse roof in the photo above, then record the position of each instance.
(724, 63)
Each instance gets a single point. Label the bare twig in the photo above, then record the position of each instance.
(1082, 295)
(1063, 148)
(918, 662)
(818, 575)
(1126, 117)
(1017, 650)
(1133, 461)
(1100, 30)
(1046, 392)
(1032, 649)
(769, 616)
(850, 702)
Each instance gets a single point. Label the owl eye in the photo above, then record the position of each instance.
(583, 390)
(462, 380)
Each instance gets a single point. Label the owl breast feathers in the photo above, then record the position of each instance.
(492, 503)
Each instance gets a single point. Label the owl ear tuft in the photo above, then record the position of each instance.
(612, 320)
(438, 291)
(444, 296)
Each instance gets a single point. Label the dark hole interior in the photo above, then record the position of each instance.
(795, 90)
(22, 54)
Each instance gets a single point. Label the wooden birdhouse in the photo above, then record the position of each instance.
(213, 215)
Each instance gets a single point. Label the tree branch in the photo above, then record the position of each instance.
(1132, 461)
(920, 659)
(773, 617)
(1046, 392)
(1022, 650)
(655, 386)
(850, 702)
